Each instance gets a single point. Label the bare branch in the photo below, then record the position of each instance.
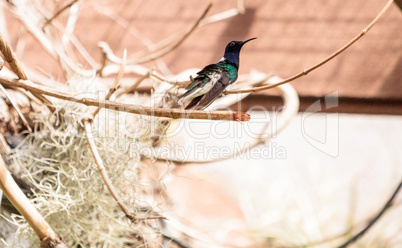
(98, 160)
(24, 206)
(224, 15)
(133, 87)
(129, 108)
(102, 170)
(171, 47)
(105, 176)
(11, 59)
(116, 84)
(16, 108)
(387, 205)
(306, 71)
(59, 12)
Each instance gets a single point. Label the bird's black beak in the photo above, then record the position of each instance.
(244, 42)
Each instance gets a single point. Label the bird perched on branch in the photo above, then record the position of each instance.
(214, 78)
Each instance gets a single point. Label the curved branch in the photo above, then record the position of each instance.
(387, 205)
(306, 71)
(102, 170)
(171, 47)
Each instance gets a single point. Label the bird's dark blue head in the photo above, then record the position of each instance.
(232, 51)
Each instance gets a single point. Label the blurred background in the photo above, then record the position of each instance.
(316, 182)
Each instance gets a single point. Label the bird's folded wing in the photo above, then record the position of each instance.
(214, 93)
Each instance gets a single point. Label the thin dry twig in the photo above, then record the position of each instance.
(95, 153)
(102, 170)
(15, 66)
(306, 71)
(24, 206)
(202, 22)
(174, 45)
(1, 63)
(105, 176)
(16, 108)
(129, 108)
(68, 36)
(11, 59)
(59, 12)
(133, 87)
(108, 55)
(224, 15)
(98, 160)
(387, 205)
(116, 84)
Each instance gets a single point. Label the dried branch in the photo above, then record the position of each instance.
(24, 206)
(129, 108)
(224, 15)
(102, 170)
(202, 22)
(53, 47)
(116, 85)
(387, 205)
(174, 45)
(108, 55)
(306, 71)
(133, 87)
(105, 177)
(59, 12)
(16, 108)
(11, 59)
(68, 36)
(98, 160)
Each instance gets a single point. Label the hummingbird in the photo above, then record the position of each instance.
(211, 81)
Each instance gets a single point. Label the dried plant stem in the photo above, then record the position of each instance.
(1, 63)
(135, 85)
(102, 170)
(108, 55)
(306, 71)
(98, 160)
(24, 206)
(16, 108)
(387, 205)
(116, 84)
(105, 177)
(240, 9)
(59, 12)
(174, 45)
(11, 59)
(201, 22)
(129, 108)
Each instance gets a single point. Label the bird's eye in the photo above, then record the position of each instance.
(232, 43)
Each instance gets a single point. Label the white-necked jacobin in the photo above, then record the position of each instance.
(214, 78)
